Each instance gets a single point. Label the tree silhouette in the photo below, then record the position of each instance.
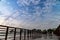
(44, 31)
(50, 30)
(57, 31)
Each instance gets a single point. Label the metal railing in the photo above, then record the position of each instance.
(26, 32)
(14, 31)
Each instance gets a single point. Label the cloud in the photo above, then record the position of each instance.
(28, 2)
(5, 9)
(32, 14)
(42, 13)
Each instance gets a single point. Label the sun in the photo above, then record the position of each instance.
(1, 21)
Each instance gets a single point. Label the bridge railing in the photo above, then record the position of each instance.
(7, 30)
(15, 33)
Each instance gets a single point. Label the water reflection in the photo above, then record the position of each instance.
(41, 37)
(58, 37)
(48, 37)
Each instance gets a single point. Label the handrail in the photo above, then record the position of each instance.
(27, 34)
(21, 30)
(13, 27)
(9, 26)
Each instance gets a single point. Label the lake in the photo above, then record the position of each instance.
(42, 37)
(48, 37)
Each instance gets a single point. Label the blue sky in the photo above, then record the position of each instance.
(40, 14)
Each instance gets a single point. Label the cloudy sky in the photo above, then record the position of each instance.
(40, 14)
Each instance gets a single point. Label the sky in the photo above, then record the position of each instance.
(30, 14)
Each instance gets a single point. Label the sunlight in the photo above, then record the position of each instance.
(1, 21)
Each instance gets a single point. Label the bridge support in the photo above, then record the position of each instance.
(20, 33)
(24, 34)
(14, 33)
(6, 33)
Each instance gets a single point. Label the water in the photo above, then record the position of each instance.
(48, 37)
(42, 37)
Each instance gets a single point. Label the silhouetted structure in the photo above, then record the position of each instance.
(25, 34)
(57, 31)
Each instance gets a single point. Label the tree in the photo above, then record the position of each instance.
(50, 30)
(38, 31)
(57, 31)
(44, 31)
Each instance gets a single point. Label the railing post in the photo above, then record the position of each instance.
(6, 33)
(14, 33)
(24, 34)
(31, 33)
(28, 34)
(20, 33)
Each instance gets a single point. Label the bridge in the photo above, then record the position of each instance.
(15, 33)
